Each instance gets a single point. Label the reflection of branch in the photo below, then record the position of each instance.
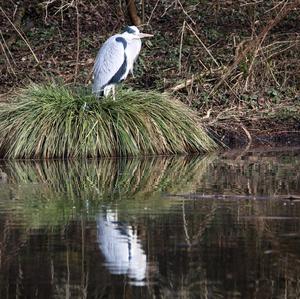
(187, 237)
(195, 196)
(202, 227)
(10, 246)
(204, 224)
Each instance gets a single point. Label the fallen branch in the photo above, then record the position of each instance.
(132, 12)
(182, 85)
(248, 134)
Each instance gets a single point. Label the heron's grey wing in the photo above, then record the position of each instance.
(109, 60)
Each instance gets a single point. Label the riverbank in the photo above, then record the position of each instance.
(277, 124)
(272, 125)
(236, 65)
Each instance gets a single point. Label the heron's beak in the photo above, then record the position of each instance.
(142, 35)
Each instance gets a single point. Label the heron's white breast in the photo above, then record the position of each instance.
(132, 51)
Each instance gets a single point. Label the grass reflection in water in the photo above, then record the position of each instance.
(54, 191)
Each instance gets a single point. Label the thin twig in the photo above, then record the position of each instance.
(7, 58)
(203, 45)
(78, 42)
(180, 47)
(21, 35)
(208, 113)
(252, 64)
(276, 5)
(7, 48)
(152, 12)
(185, 12)
(253, 44)
(143, 11)
(281, 51)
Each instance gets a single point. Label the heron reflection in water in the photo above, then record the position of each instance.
(121, 248)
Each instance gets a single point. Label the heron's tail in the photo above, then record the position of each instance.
(98, 94)
(98, 89)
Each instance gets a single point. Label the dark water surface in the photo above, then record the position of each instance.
(222, 226)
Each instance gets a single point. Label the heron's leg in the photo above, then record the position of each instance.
(114, 92)
(131, 72)
(106, 91)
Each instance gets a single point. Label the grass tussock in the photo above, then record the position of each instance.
(51, 121)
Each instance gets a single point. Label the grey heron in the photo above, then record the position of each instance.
(115, 60)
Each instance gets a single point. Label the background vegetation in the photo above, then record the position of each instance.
(236, 62)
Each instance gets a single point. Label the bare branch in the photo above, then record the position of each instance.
(132, 12)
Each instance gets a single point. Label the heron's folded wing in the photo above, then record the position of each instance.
(108, 62)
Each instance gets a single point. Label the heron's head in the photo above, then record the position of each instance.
(132, 32)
